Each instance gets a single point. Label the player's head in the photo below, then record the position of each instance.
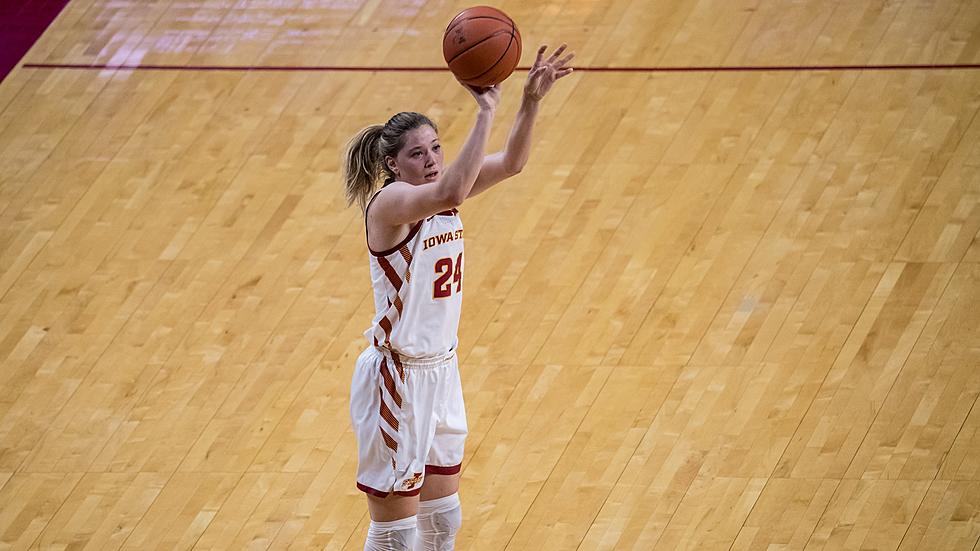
(404, 148)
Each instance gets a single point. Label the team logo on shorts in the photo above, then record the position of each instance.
(410, 483)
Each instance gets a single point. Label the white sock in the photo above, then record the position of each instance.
(396, 535)
(439, 520)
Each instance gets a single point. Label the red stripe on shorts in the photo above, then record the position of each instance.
(389, 441)
(390, 382)
(386, 412)
(435, 469)
(398, 366)
(379, 493)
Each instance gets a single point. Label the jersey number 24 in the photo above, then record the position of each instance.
(447, 275)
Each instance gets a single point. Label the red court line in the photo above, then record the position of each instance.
(651, 69)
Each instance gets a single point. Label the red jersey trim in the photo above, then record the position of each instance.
(411, 234)
(444, 213)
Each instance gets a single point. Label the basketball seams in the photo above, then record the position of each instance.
(495, 63)
(482, 40)
(454, 24)
(473, 65)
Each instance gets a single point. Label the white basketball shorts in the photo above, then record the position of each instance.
(409, 420)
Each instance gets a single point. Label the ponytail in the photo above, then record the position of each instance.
(364, 162)
(362, 165)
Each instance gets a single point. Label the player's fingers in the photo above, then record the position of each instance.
(541, 51)
(564, 61)
(557, 52)
(563, 72)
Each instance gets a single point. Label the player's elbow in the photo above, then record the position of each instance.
(456, 200)
(453, 197)
(514, 169)
(513, 165)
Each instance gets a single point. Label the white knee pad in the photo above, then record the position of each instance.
(439, 520)
(396, 535)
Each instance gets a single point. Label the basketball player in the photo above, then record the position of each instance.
(406, 400)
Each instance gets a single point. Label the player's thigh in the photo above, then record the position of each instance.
(393, 507)
(439, 485)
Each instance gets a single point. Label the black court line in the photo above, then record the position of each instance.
(366, 69)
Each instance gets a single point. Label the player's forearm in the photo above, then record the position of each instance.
(460, 176)
(518, 148)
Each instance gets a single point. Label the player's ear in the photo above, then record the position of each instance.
(390, 163)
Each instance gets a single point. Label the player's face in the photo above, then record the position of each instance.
(420, 160)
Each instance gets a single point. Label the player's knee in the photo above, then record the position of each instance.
(448, 522)
(397, 535)
(439, 520)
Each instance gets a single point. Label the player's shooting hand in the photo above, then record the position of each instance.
(546, 71)
(487, 98)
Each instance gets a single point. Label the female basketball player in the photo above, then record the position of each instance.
(406, 400)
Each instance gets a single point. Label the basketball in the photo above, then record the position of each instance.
(481, 46)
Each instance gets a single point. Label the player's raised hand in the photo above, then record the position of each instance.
(546, 71)
(487, 98)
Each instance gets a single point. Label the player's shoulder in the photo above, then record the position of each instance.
(390, 188)
(388, 192)
(396, 191)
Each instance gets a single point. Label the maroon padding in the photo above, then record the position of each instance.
(22, 22)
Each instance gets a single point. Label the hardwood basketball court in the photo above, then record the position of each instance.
(732, 302)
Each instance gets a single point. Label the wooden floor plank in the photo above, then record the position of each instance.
(38, 497)
(924, 412)
(947, 518)
(860, 378)
(102, 510)
(869, 513)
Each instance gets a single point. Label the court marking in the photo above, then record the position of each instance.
(639, 69)
(22, 23)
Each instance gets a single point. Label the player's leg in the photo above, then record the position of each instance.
(393, 523)
(439, 485)
(440, 514)
(393, 517)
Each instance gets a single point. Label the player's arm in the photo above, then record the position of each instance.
(497, 167)
(404, 203)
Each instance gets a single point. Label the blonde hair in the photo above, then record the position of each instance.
(364, 162)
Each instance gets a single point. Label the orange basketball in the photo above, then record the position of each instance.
(482, 46)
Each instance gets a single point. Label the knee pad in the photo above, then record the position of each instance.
(438, 522)
(397, 535)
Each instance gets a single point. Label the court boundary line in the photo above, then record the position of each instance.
(424, 69)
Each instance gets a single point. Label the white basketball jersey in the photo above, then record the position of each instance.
(418, 289)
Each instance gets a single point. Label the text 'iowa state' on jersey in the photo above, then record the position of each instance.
(442, 238)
